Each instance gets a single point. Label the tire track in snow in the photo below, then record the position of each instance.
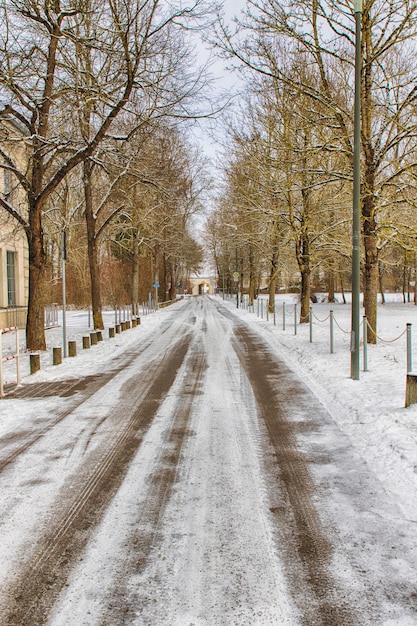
(32, 593)
(148, 524)
(308, 551)
(12, 446)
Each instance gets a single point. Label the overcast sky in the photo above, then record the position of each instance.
(224, 81)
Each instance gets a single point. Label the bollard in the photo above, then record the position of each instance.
(86, 342)
(295, 318)
(93, 338)
(99, 335)
(409, 350)
(72, 348)
(411, 390)
(134, 322)
(138, 321)
(111, 332)
(117, 329)
(56, 356)
(35, 363)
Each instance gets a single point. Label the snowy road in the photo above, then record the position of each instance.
(196, 481)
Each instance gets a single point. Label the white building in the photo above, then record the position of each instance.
(14, 263)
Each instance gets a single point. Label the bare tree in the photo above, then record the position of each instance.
(38, 89)
(271, 41)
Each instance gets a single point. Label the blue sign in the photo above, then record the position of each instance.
(155, 285)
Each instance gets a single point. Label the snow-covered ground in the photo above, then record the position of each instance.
(370, 412)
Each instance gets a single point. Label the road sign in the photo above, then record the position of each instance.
(235, 276)
(156, 285)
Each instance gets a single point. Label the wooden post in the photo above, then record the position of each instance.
(86, 342)
(56, 356)
(111, 332)
(137, 321)
(72, 348)
(99, 335)
(118, 329)
(93, 338)
(411, 390)
(134, 322)
(35, 363)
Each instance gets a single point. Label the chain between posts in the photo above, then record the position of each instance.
(365, 325)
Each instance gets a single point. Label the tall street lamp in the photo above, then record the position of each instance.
(356, 227)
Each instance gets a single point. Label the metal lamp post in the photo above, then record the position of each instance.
(64, 293)
(356, 223)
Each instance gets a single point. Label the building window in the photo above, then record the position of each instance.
(11, 277)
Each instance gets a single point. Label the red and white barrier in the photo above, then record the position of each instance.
(3, 331)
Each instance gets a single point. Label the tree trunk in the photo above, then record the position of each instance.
(274, 268)
(331, 282)
(35, 331)
(415, 279)
(405, 277)
(92, 248)
(305, 294)
(303, 259)
(273, 281)
(135, 270)
(172, 294)
(252, 287)
(370, 288)
(381, 284)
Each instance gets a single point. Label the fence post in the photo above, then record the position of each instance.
(275, 313)
(56, 356)
(267, 311)
(311, 324)
(35, 363)
(72, 348)
(258, 306)
(295, 318)
(365, 343)
(331, 333)
(409, 350)
(283, 316)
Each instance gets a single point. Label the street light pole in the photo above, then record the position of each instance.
(356, 222)
(64, 293)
